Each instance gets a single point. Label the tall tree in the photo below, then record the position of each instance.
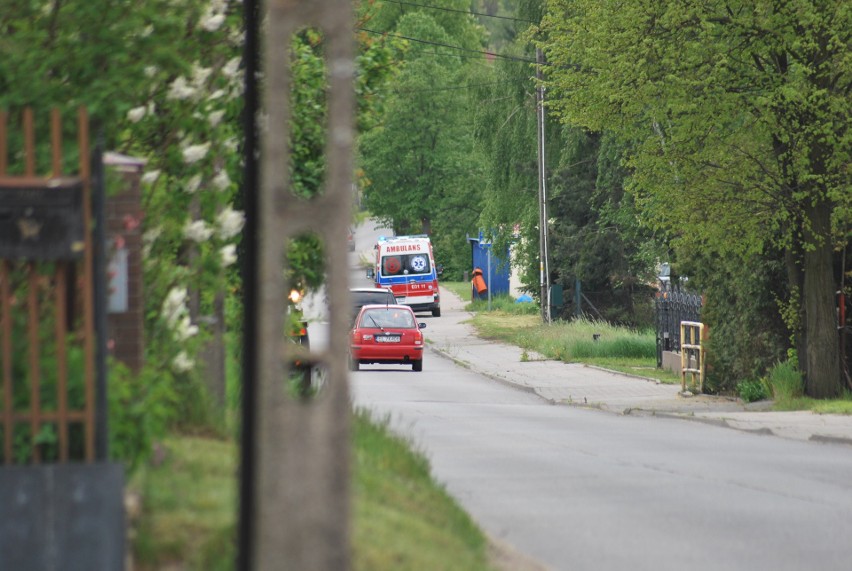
(741, 110)
(506, 134)
(419, 167)
(596, 239)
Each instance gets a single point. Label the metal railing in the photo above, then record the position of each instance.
(692, 354)
(670, 309)
(38, 287)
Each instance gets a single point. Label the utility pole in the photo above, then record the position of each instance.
(544, 269)
(488, 265)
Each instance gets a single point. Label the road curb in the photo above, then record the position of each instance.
(830, 439)
(492, 376)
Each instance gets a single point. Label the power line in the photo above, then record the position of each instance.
(462, 56)
(460, 11)
(483, 52)
(453, 88)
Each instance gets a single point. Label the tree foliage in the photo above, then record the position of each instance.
(506, 135)
(737, 110)
(163, 81)
(420, 171)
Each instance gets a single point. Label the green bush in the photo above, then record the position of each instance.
(746, 332)
(752, 391)
(141, 408)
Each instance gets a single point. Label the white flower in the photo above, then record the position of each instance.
(148, 239)
(147, 31)
(216, 117)
(194, 153)
(231, 68)
(230, 222)
(229, 255)
(197, 231)
(174, 305)
(237, 37)
(180, 89)
(222, 181)
(184, 329)
(151, 71)
(200, 75)
(136, 114)
(237, 89)
(182, 363)
(216, 94)
(193, 184)
(213, 22)
(150, 236)
(231, 144)
(152, 107)
(150, 176)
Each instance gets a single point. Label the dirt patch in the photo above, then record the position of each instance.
(504, 557)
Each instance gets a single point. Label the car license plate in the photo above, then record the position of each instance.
(387, 339)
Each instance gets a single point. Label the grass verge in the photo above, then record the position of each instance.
(188, 509)
(580, 341)
(402, 519)
(616, 348)
(787, 387)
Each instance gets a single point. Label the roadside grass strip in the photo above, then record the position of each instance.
(402, 518)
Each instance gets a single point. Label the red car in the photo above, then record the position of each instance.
(387, 334)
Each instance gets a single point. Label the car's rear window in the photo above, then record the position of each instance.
(390, 317)
(360, 298)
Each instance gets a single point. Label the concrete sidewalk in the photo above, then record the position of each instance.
(586, 386)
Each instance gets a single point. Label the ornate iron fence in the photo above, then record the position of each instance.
(670, 308)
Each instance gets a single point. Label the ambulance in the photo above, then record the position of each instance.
(406, 265)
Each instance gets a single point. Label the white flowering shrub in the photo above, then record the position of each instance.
(186, 123)
(163, 79)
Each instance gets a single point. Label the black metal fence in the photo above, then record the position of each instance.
(670, 308)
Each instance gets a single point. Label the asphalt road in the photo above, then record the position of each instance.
(581, 489)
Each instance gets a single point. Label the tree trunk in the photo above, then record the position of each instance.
(823, 355)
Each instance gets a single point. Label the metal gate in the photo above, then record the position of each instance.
(671, 306)
(42, 243)
(59, 508)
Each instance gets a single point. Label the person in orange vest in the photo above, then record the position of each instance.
(478, 288)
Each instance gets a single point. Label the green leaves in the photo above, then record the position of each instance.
(419, 165)
(706, 91)
(732, 112)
